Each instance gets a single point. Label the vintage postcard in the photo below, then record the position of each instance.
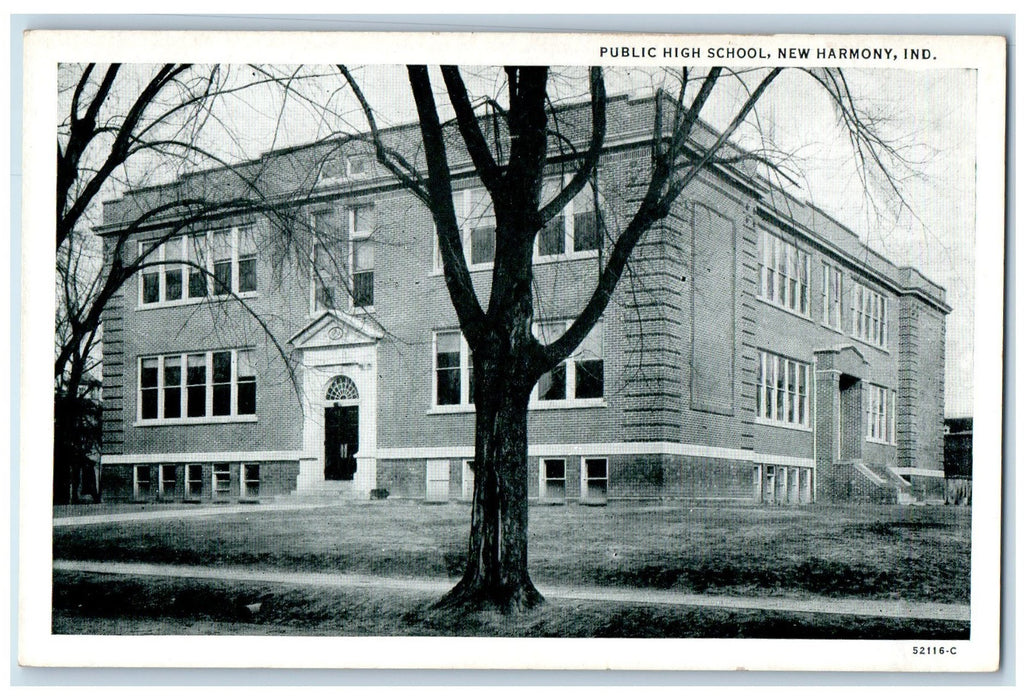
(505, 351)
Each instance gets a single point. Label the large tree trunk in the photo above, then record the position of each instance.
(496, 571)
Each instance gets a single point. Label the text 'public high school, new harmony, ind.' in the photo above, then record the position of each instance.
(762, 53)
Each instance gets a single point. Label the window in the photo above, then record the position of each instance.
(215, 383)
(250, 480)
(832, 291)
(327, 264)
(363, 273)
(149, 393)
(322, 277)
(454, 370)
(221, 383)
(247, 255)
(141, 481)
(196, 253)
(357, 167)
(467, 480)
(594, 479)
(246, 383)
(783, 273)
(194, 481)
(581, 376)
(576, 229)
(868, 315)
(879, 414)
(227, 255)
(196, 386)
(781, 390)
(168, 480)
(552, 486)
(477, 222)
(221, 481)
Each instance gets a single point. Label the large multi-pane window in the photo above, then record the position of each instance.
(576, 229)
(868, 315)
(783, 273)
(184, 264)
(454, 370)
(879, 413)
(217, 383)
(833, 286)
(781, 390)
(580, 376)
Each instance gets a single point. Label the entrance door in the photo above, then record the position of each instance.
(850, 423)
(341, 442)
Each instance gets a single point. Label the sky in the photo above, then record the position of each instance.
(929, 115)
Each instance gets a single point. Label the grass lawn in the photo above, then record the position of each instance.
(913, 553)
(94, 604)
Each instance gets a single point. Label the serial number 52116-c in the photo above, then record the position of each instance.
(937, 651)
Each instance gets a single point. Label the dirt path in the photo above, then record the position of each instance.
(834, 606)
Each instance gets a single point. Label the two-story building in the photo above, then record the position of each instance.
(303, 342)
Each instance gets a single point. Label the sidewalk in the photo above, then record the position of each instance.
(179, 512)
(644, 596)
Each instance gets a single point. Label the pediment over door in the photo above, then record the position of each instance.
(846, 359)
(333, 329)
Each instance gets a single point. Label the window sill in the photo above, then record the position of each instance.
(869, 343)
(882, 443)
(775, 305)
(533, 406)
(779, 424)
(567, 403)
(192, 301)
(565, 257)
(201, 420)
(455, 408)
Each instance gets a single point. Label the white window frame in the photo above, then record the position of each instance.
(162, 478)
(467, 480)
(868, 308)
(543, 480)
(182, 242)
(775, 255)
(768, 365)
(136, 482)
(190, 482)
(218, 478)
(246, 483)
(354, 237)
(833, 296)
(208, 413)
(466, 399)
(586, 479)
(571, 400)
(879, 413)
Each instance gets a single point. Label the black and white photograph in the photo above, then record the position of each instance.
(383, 343)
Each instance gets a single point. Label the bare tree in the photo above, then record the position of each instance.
(122, 129)
(510, 152)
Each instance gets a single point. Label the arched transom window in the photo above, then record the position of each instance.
(342, 388)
